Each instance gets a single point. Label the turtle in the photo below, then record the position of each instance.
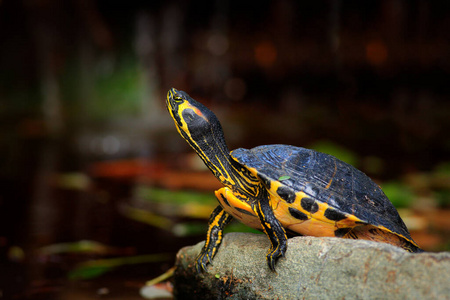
(284, 190)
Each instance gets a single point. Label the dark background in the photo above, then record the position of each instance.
(84, 82)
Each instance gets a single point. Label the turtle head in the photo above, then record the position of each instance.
(194, 121)
(202, 130)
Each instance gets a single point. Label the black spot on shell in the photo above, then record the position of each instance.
(342, 232)
(297, 214)
(334, 215)
(309, 205)
(243, 211)
(286, 194)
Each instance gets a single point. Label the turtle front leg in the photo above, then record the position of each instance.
(273, 230)
(217, 221)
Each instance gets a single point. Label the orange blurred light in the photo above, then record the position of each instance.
(265, 54)
(376, 52)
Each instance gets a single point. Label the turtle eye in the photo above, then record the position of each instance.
(178, 99)
(175, 95)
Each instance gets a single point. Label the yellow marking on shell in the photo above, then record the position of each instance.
(316, 225)
(332, 177)
(235, 204)
(319, 225)
(312, 227)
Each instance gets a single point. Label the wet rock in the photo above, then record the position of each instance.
(313, 268)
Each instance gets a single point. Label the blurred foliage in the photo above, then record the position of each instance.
(169, 273)
(116, 91)
(174, 197)
(84, 246)
(73, 181)
(158, 220)
(338, 151)
(24, 101)
(373, 165)
(237, 226)
(430, 188)
(114, 88)
(441, 183)
(16, 254)
(180, 204)
(95, 268)
(443, 198)
(403, 192)
(443, 168)
(89, 269)
(399, 193)
(146, 216)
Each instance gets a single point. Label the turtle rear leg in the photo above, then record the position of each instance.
(217, 221)
(274, 231)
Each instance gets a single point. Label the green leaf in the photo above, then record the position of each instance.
(95, 268)
(284, 178)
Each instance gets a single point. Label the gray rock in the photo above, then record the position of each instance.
(313, 268)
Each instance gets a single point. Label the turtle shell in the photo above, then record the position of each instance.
(324, 183)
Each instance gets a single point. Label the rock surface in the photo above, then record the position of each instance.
(313, 268)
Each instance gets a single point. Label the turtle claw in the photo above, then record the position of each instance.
(274, 231)
(274, 255)
(202, 261)
(219, 218)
